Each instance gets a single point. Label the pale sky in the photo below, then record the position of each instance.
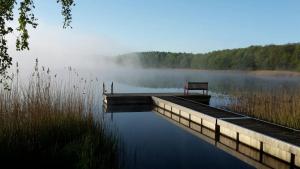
(111, 27)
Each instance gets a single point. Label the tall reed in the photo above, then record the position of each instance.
(281, 106)
(48, 123)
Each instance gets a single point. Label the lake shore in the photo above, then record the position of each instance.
(275, 73)
(250, 72)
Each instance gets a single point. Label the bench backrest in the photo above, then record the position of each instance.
(197, 86)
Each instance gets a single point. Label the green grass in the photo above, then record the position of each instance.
(50, 124)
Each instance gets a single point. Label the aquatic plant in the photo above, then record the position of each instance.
(281, 106)
(46, 123)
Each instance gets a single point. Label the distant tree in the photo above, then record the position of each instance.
(26, 18)
(270, 57)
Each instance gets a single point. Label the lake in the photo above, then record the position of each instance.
(152, 141)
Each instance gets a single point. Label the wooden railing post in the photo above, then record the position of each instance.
(103, 88)
(112, 88)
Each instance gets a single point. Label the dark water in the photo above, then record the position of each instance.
(151, 141)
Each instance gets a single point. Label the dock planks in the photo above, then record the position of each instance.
(280, 142)
(269, 129)
(216, 113)
(145, 98)
(273, 130)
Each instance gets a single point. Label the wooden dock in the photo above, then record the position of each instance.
(279, 142)
(146, 98)
(237, 149)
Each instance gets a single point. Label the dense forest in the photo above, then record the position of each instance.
(270, 57)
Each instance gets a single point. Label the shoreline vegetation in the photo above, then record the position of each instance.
(280, 106)
(259, 72)
(49, 124)
(269, 57)
(286, 73)
(274, 73)
(276, 106)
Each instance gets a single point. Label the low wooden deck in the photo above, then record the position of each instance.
(217, 113)
(282, 133)
(145, 98)
(237, 149)
(281, 142)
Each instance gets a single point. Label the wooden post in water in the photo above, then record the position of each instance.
(103, 88)
(186, 88)
(112, 88)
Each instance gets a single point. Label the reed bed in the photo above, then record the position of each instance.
(281, 105)
(51, 124)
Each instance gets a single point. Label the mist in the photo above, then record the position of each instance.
(58, 48)
(94, 56)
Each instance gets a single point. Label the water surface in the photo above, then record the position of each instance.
(151, 141)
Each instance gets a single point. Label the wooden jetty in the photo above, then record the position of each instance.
(146, 98)
(277, 141)
(237, 149)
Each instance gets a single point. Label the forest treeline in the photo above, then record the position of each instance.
(269, 57)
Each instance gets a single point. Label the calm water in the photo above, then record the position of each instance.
(151, 141)
(221, 83)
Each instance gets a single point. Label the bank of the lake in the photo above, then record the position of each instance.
(269, 95)
(268, 57)
(49, 123)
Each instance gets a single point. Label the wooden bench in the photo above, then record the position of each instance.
(196, 86)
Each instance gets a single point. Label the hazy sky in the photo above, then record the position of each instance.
(109, 27)
(183, 25)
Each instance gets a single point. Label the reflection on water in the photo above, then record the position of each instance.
(162, 139)
(241, 151)
(219, 81)
(151, 142)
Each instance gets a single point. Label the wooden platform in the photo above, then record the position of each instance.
(279, 142)
(249, 155)
(282, 133)
(213, 112)
(145, 98)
